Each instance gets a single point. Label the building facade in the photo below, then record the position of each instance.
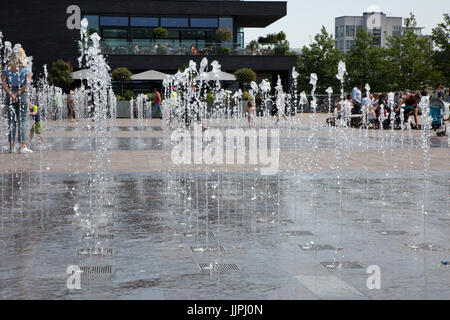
(50, 31)
(378, 23)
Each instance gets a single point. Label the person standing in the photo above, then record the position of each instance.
(356, 98)
(59, 103)
(16, 79)
(157, 103)
(71, 106)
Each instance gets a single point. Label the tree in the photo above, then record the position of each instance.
(366, 64)
(322, 59)
(121, 74)
(61, 74)
(245, 76)
(441, 38)
(411, 58)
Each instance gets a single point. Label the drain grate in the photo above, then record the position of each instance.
(285, 222)
(316, 247)
(96, 270)
(296, 233)
(445, 220)
(218, 267)
(200, 249)
(209, 235)
(105, 236)
(392, 233)
(336, 265)
(95, 251)
(367, 221)
(426, 247)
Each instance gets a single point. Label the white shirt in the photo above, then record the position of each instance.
(356, 94)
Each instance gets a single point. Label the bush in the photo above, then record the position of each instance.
(120, 98)
(61, 74)
(129, 95)
(281, 49)
(245, 75)
(163, 50)
(150, 96)
(210, 96)
(224, 34)
(222, 51)
(160, 32)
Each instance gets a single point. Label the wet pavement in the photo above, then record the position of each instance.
(227, 234)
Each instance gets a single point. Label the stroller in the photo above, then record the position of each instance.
(437, 108)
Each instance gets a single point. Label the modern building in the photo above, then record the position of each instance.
(50, 31)
(374, 21)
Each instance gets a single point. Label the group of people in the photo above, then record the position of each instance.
(376, 107)
(16, 79)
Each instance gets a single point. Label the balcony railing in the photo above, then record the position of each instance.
(211, 49)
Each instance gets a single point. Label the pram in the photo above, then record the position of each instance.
(437, 109)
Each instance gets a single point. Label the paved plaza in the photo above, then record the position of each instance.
(344, 200)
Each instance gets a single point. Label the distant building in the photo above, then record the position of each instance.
(374, 21)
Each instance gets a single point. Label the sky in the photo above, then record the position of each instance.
(305, 17)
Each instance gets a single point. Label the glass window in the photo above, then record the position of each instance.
(114, 21)
(115, 33)
(211, 36)
(336, 34)
(141, 33)
(173, 34)
(341, 31)
(144, 22)
(93, 22)
(349, 31)
(115, 42)
(193, 35)
(396, 30)
(204, 23)
(175, 22)
(226, 22)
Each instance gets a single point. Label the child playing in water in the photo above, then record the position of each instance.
(38, 125)
(251, 113)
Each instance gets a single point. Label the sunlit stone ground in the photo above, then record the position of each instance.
(375, 198)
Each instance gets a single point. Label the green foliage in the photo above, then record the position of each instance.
(121, 74)
(160, 32)
(320, 58)
(441, 38)
(150, 96)
(366, 63)
(210, 96)
(91, 31)
(281, 49)
(245, 75)
(129, 95)
(120, 98)
(273, 38)
(411, 59)
(61, 74)
(223, 51)
(162, 50)
(224, 34)
(246, 96)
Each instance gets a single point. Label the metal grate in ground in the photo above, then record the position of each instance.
(393, 233)
(202, 249)
(218, 267)
(337, 265)
(297, 233)
(316, 247)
